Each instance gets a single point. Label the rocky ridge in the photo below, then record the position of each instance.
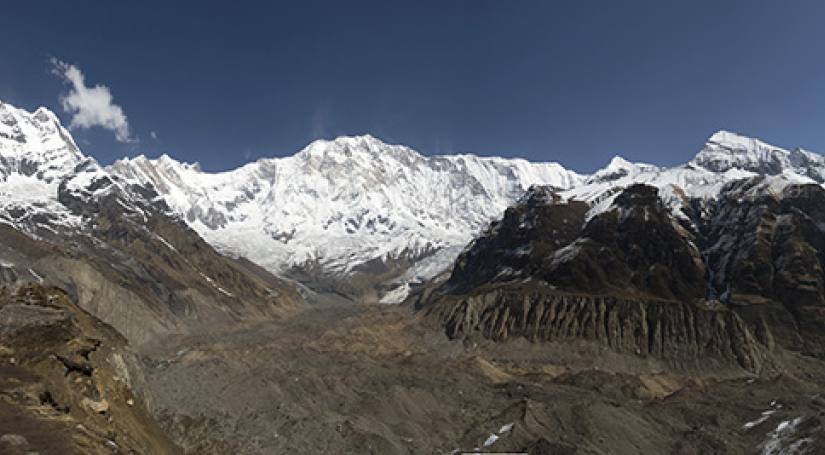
(113, 245)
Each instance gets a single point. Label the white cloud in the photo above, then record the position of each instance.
(154, 135)
(91, 106)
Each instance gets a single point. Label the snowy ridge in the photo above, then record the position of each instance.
(343, 203)
(724, 158)
(41, 169)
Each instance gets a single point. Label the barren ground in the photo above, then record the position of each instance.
(375, 379)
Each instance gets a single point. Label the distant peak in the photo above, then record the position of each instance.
(163, 160)
(725, 150)
(619, 168)
(43, 114)
(724, 136)
(618, 163)
(363, 139)
(346, 147)
(37, 135)
(736, 141)
(168, 161)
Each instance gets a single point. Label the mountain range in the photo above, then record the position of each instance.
(227, 303)
(356, 216)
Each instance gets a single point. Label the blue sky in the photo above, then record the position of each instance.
(576, 82)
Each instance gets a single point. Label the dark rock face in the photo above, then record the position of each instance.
(635, 250)
(745, 272)
(521, 241)
(769, 250)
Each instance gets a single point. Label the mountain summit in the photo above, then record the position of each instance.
(725, 151)
(36, 144)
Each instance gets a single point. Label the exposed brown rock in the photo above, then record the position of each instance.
(685, 334)
(60, 388)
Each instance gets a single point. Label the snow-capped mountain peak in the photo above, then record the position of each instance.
(731, 140)
(618, 163)
(36, 144)
(364, 157)
(726, 151)
(44, 177)
(620, 168)
(365, 142)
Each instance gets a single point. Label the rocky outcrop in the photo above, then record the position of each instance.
(63, 388)
(16, 319)
(682, 333)
(636, 249)
(714, 275)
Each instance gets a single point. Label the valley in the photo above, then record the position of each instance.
(378, 379)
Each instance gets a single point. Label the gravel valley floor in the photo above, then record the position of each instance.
(376, 379)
